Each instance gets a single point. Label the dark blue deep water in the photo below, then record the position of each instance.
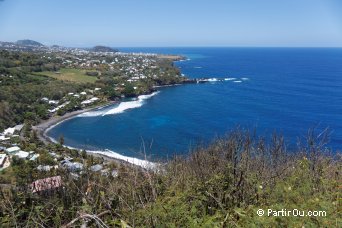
(288, 90)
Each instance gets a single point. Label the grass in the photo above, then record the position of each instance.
(72, 75)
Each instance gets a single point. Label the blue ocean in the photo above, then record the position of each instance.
(283, 90)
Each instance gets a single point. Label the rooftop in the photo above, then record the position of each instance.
(46, 184)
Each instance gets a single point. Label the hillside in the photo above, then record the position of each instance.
(103, 49)
(29, 43)
(220, 185)
(223, 185)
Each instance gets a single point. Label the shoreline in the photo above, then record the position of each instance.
(44, 126)
(106, 154)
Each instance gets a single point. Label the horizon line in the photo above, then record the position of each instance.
(178, 46)
(208, 46)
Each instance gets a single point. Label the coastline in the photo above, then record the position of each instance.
(42, 127)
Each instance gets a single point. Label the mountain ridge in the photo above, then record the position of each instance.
(27, 42)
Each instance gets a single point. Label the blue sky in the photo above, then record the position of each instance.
(123, 23)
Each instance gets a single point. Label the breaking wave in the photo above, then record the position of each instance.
(135, 161)
(122, 107)
(229, 79)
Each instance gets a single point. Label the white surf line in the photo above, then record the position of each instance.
(102, 112)
(122, 107)
(134, 161)
(111, 154)
(114, 155)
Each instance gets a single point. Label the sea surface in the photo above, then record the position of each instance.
(283, 90)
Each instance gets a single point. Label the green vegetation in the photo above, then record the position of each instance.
(29, 42)
(222, 185)
(103, 49)
(27, 77)
(72, 75)
(22, 102)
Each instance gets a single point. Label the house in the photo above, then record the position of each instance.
(46, 168)
(12, 150)
(19, 127)
(54, 155)
(74, 176)
(73, 166)
(34, 157)
(9, 131)
(22, 154)
(89, 101)
(115, 173)
(46, 184)
(2, 159)
(106, 172)
(3, 138)
(53, 102)
(96, 168)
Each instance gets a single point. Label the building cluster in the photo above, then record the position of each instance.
(125, 67)
(74, 166)
(82, 99)
(8, 150)
(132, 66)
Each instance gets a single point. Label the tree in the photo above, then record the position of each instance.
(84, 154)
(61, 140)
(129, 90)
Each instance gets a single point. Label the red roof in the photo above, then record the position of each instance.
(46, 184)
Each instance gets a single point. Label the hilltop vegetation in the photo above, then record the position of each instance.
(28, 43)
(21, 91)
(22, 85)
(72, 75)
(103, 49)
(222, 185)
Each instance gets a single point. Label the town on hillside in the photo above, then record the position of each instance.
(52, 81)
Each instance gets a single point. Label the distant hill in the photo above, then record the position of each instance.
(29, 43)
(103, 49)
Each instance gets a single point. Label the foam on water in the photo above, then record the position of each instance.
(109, 153)
(212, 80)
(230, 79)
(94, 113)
(122, 107)
(135, 161)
